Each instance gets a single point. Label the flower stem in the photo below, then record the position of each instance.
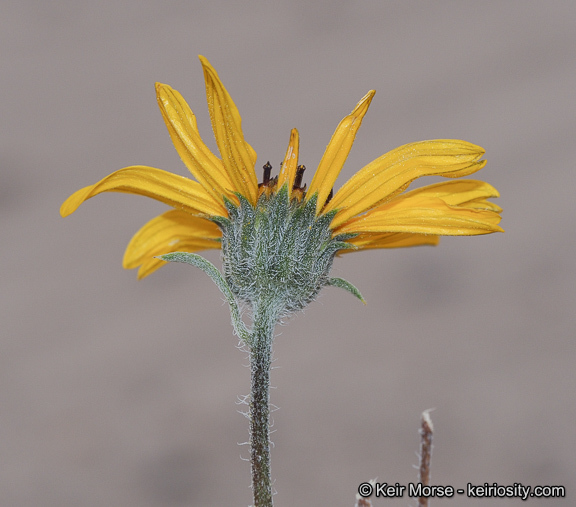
(260, 359)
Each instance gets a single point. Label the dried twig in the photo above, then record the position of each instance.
(426, 431)
(366, 489)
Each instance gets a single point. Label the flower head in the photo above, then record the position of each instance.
(278, 233)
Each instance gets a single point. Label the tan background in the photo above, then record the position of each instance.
(122, 393)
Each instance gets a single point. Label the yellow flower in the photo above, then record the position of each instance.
(371, 210)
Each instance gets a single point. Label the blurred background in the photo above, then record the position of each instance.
(121, 392)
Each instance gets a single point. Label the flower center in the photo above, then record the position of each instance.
(269, 185)
(279, 250)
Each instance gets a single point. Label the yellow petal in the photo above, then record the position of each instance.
(470, 194)
(337, 151)
(424, 216)
(173, 231)
(392, 172)
(391, 240)
(290, 164)
(172, 189)
(456, 192)
(151, 264)
(200, 161)
(238, 156)
(482, 204)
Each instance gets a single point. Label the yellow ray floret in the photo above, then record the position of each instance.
(238, 156)
(424, 215)
(290, 163)
(337, 151)
(431, 204)
(173, 231)
(206, 167)
(456, 192)
(176, 191)
(393, 172)
(369, 240)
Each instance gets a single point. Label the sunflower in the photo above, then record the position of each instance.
(278, 238)
(299, 229)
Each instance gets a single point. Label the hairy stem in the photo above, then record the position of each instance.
(260, 360)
